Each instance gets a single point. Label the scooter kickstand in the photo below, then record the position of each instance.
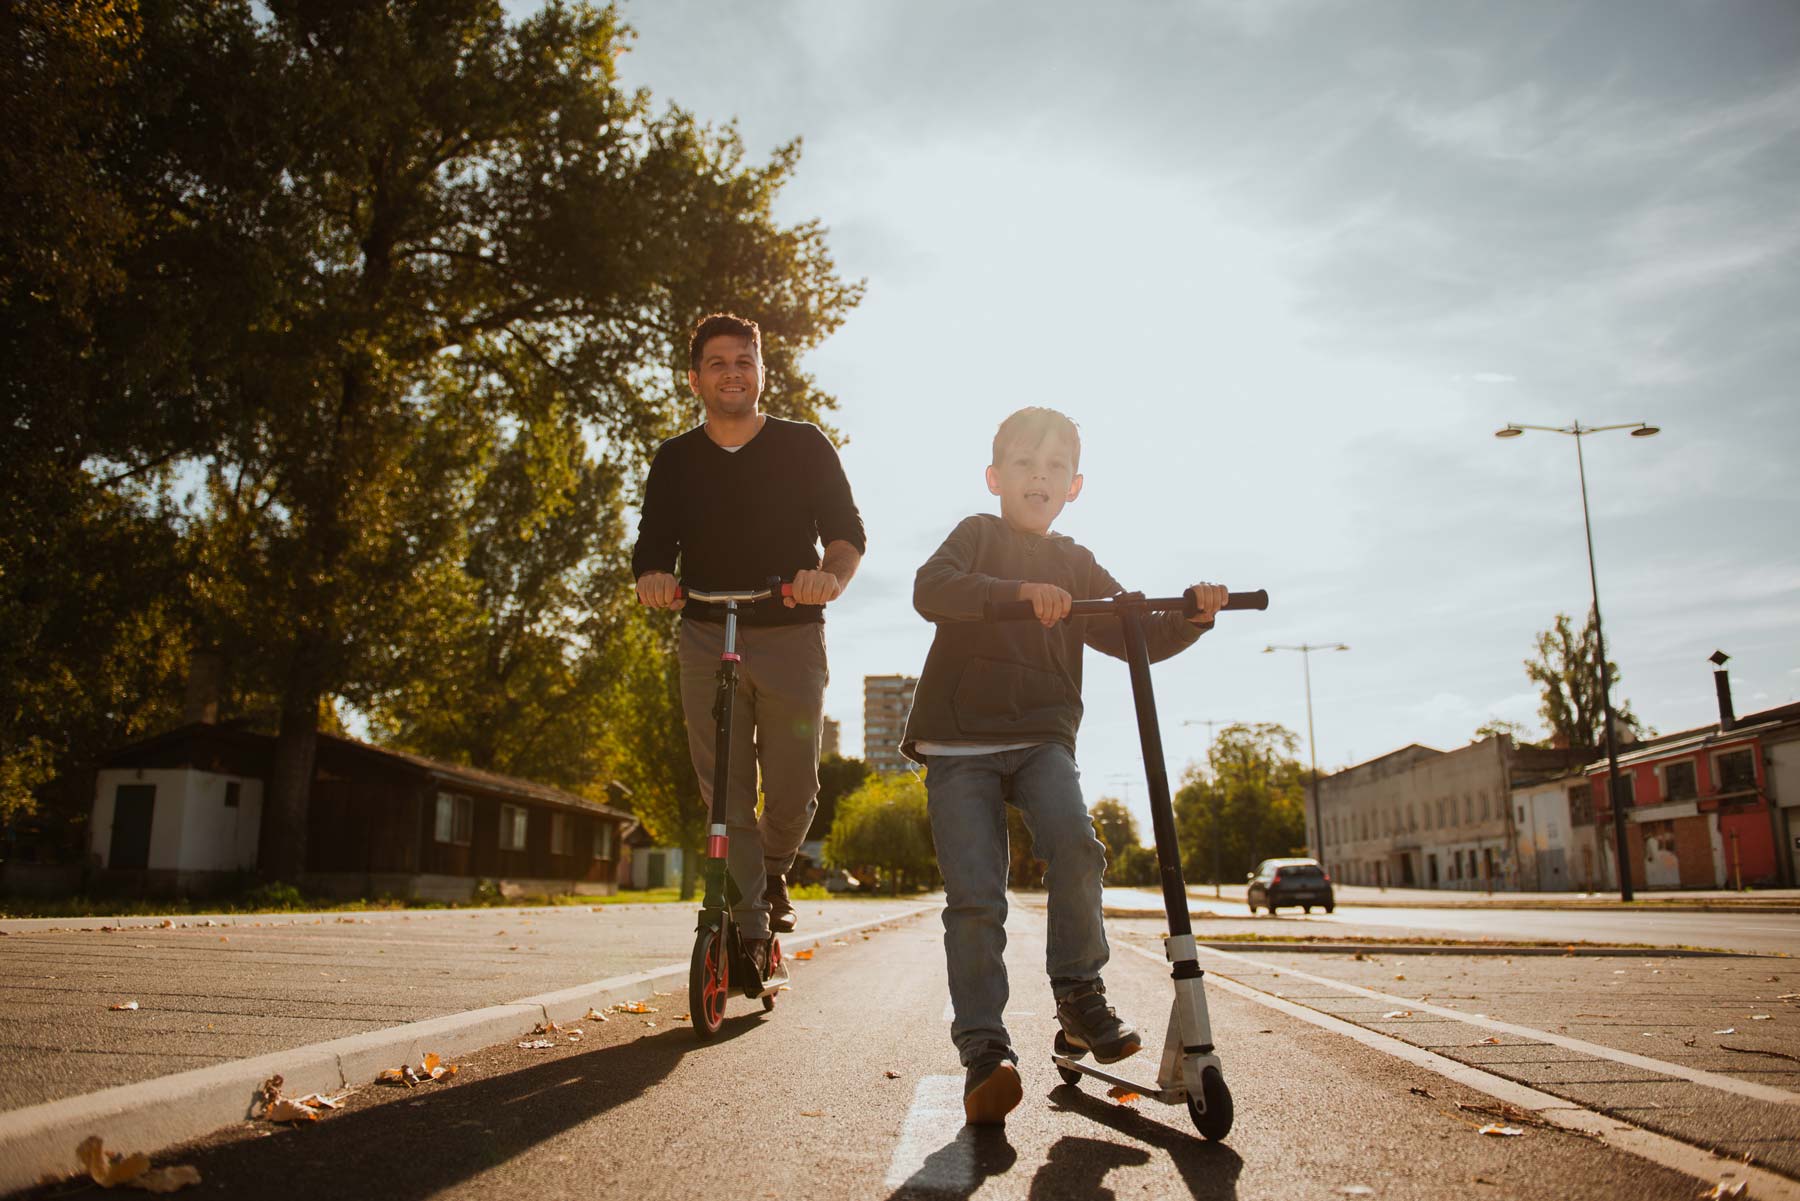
(1187, 1044)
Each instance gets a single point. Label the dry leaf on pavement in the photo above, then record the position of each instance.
(1759, 1017)
(1489, 1041)
(110, 1169)
(286, 1109)
(1724, 1190)
(1727, 1030)
(125, 1005)
(891, 1075)
(1499, 1131)
(536, 1044)
(633, 1007)
(1122, 1095)
(806, 954)
(435, 1067)
(594, 1015)
(1398, 1013)
(1356, 1190)
(1416, 1091)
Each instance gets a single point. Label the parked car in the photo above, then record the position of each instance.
(1302, 882)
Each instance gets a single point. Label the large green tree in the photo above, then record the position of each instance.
(392, 226)
(1565, 665)
(884, 825)
(1115, 826)
(1247, 805)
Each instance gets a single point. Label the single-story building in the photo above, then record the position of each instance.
(182, 813)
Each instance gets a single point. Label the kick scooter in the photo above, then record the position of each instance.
(1190, 1070)
(720, 956)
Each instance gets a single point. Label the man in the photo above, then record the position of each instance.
(738, 499)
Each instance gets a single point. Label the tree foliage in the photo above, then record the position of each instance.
(392, 297)
(839, 776)
(1115, 826)
(1565, 667)
(1249, 800)
(884, 825)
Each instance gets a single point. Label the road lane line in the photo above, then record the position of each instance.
(933, 1154)
(1617, 1133)
(1716, 1080)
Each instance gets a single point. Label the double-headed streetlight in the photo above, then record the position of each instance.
(1312, 750)
(1578, 431)
(1218, 805)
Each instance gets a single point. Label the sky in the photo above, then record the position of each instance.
(1290, 264)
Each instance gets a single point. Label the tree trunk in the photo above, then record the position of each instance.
(690, 871)
(282, 842)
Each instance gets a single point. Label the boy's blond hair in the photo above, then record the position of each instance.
(1031, 426)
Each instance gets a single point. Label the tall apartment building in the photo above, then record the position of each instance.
(829, 736)
(886, 702)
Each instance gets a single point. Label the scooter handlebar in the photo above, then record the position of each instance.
(1022, 610)
(743, 596)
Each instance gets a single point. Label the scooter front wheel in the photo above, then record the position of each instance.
(1062, 1046)
(1215, 1122)
(708, 982)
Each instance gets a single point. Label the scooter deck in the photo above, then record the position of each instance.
(1168, 1096)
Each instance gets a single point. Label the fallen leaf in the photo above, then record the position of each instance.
(594, 1015)
(536, 1044)
(321, 1101)
(574, 1036)
(1416, 1091)
(806, 954)
(436, 1068)
(1727, 1030)
(892, 1075)
(839, 942)
(1121, 1094)
(124, 1005)
(1398, 1013)
(1499, 1131)
(1399, 975)
(1489, 1041)
(684, 1017)
(286, 1109)
(1724, 1190)
(1356, 1190)
(1360, 958)
(812, 1113)
(633, 1007)
(110, 1169)
(1759, 1017)
(168, 923)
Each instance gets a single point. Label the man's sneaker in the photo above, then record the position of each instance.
(758, 949)
(1089, 1022)
(781, 910)
(992, 1088)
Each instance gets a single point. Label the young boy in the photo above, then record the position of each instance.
(994, 719)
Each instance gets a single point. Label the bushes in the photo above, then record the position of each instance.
(883, 824)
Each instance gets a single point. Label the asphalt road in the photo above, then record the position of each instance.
(850, 1088)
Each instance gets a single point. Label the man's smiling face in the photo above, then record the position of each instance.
(729, 380)
(1035, 482)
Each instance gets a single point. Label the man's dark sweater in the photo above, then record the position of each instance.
(1012, 681)
(734, 518)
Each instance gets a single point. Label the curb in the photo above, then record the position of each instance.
(1575, 950)
(38, 1143)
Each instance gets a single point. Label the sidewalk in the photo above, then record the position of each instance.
(1766, 900)
(325, 1000)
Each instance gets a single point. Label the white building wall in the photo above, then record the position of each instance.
(165, 815)
(216, 837)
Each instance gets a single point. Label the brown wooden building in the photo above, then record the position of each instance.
(182, 812)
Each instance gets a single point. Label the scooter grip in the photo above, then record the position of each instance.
(1247, 600)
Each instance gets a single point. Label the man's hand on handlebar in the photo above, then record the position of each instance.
(1208, 600)
(1049, 604)
(660, 590)
(813, 588)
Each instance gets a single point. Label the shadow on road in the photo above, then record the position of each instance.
(412, 1147)
(955, 1170)
(1209, 1170)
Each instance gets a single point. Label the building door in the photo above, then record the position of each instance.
(133, 806)
(1431, 870)
(656, 872)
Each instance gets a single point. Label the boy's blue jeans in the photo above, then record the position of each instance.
(968, 796)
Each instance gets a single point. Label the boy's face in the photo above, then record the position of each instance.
(1034, 482)
(730, 378)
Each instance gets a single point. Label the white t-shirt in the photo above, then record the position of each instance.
(963, 748)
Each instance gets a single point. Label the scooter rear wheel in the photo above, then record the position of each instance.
(1215, 1123)
(708, 983)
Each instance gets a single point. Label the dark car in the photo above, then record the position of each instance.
(1302, 882)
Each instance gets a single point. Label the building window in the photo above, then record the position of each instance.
(603, 839)
(455, 819)
(1581, 805)
(234, 793)
(513, 821)
(1678, 781)
(562, 834)
(1737, 771)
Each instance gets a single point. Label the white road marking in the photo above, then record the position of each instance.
(934, 1153)
(1614, 1132)
(1716, 1080)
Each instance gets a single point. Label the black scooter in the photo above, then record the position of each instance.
(1190, 1070)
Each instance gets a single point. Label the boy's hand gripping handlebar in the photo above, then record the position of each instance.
(1184, 604)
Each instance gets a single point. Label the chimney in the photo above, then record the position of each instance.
(1722, 685)
(206, 671)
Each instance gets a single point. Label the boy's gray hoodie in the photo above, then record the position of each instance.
(1012, 681)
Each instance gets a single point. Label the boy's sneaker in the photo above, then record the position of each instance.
(1089, 1022)
(781, 910)
(992, 1087)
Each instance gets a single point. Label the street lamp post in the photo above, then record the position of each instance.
(1312, 750)
(1218, 806)
(1578, 431)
